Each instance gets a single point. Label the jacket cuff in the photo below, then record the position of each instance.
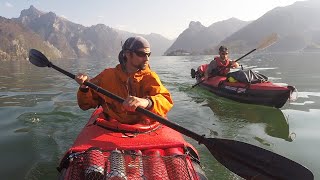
(150, 103)
(84, 90)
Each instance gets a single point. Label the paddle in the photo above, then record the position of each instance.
(248, 161)
(268, 41)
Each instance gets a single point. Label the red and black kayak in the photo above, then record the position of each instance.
(263, 93)
(106, 149)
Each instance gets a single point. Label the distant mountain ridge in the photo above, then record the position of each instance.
(16, 40)
(59, 32)
(198, 39)
(75, 40)
(296, 25)
(65, 38)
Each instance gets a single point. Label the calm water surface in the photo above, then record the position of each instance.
(39, 116)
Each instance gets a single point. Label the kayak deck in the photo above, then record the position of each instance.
(96, 164)
(100, 153)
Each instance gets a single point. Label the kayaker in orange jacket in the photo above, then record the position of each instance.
(221, 64)
(132, 80)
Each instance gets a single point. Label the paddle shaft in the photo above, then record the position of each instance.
(224, 68)
(150, 114)
(245, 55)
(62, 70)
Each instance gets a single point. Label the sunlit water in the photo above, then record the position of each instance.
(39, 116)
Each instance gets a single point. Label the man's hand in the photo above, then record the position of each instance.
(131, 103)
(80, 79)
(234, 64)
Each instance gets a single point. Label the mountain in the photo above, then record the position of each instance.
(16, 40)
(159, 44)
(73, 40)
(296, 25)
(198, 39)
(76, 41)
(59, 32)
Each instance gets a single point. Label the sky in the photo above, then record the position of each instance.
(166, 17)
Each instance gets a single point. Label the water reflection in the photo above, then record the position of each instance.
(274, 120)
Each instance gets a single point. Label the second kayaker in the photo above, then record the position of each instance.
(221, 64)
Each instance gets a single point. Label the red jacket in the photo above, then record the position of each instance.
(222, 66)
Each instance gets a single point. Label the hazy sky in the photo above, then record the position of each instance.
(166, 17)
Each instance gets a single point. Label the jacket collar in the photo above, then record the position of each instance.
(123, 76)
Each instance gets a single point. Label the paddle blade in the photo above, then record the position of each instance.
(252, 162)
(268, 41)
(37, 58)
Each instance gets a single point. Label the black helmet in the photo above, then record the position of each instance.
(223, 49)
(134, 43)
(131, 44)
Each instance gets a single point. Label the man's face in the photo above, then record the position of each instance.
(223, 55)
(139, 59)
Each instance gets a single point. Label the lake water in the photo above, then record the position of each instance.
(39, 116)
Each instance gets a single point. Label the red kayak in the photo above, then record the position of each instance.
(106, 149)
(263, 93)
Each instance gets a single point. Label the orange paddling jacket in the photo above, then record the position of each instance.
(143, 83)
